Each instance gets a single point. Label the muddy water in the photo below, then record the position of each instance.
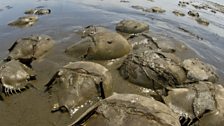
(33, 106)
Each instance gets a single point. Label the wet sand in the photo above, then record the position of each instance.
(32, 107)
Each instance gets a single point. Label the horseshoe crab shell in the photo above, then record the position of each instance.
(153, 69)
(24, 21)
(193, 13)
(155, 10)
(131, 110)
(202, 21)
(132, 26)
(215, 117)
(145, 41)
(30, 48)
(79, 82)
(38, 11)
(100, 45)
(15, 76)
(199, 71)
(178, 13)
(91, 30)
(195, 101)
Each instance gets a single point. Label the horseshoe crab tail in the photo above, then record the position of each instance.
(50, 83)
(1, 98)
(85, 116)
(1, 91)
(29, 85)
(7, 59)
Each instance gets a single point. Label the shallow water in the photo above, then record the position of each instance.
(70, 15)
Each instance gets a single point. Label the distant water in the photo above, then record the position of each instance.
(69, 15)
(218, 1)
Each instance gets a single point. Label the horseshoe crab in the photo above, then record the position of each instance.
(215, 117)
(38, 11)
(202, 21)
(137, 7)
(92, 30)
(99, 44)
(144, 41)
(153, 69)
(198, 103)
(25, 21)
(199, 71)
(132, 26)
(30, 48)
(193, 13)
(130, 110)
(155, 10)
(178, 13)
(183, 3)
(77, 83)
(15, 77)
(124, 1)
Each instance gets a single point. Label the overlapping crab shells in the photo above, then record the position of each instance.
(30, 48)
(78, 83)
(153, 69)
(199, 71)
(15, 76)
(25, 21)
(132, 110)
(100, 45)
(145, 41)
(197, 102)
(132, 26)
(38, 11)
(215, 117)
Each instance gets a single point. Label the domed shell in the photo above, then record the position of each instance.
(145, 41)
(199, 71)
(197, 102)
(153, 69)
(155, 10)
(193, 13)
(131, 110)
(78, 83)
(25, 21)
(105, 45)
(132, 26)
(38, 11)
(15, 76)
(202, 21)
(30, 48)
